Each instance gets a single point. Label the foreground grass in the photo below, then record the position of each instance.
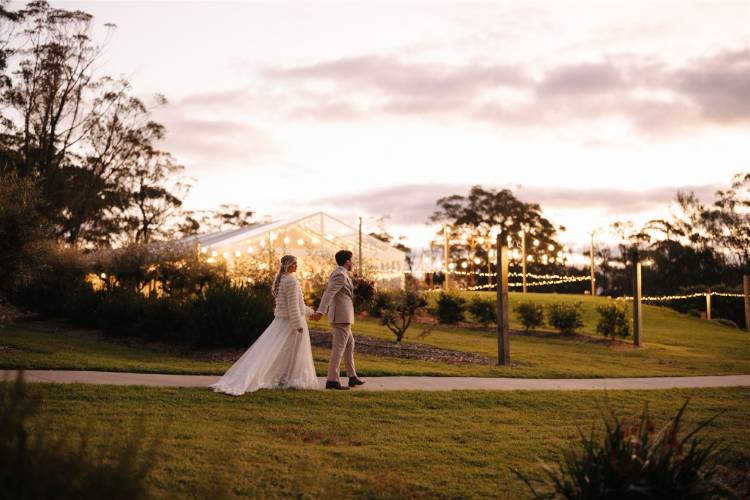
(675, 344)
(375, 445)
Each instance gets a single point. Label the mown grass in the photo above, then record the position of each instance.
(311, 444)
(675, 344)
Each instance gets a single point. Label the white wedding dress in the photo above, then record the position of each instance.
(282, 356)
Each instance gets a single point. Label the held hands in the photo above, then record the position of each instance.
(316, 315)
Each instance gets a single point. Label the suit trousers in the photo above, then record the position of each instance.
(342, 344)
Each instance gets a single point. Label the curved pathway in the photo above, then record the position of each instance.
(398, 383)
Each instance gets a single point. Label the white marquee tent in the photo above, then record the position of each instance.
(313, 239)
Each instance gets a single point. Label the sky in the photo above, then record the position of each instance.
(597, 110)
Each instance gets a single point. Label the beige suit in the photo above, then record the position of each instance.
(337, 302)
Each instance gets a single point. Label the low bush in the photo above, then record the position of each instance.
(364, 293)
(83, 306)
(530, 315)
(231, 315)
(565, 317)
(120, 312)
(34, 464)
(165, 318)
(632, 460)
(380, 302)
(483, 310)
(614, 320)
(449, 308)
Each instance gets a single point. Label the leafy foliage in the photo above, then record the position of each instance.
(364, 292)
(34, 464)
(450, 308)
(614, 320)
(399, 310)
(483, 310)
(632, 460)
(565, 317)
(530, 315)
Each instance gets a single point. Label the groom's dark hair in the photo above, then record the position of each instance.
(342, 256)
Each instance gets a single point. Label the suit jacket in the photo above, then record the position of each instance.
(337, 300)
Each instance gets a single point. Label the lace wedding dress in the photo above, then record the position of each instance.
(282, 356)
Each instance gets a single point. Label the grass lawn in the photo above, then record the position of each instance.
(364, 445)
(675, 344)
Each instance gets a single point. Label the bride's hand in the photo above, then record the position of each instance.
(299, 330)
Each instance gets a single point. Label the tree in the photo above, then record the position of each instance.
(399, 310)
(729, 221)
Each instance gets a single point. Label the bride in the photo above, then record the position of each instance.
(282, 356)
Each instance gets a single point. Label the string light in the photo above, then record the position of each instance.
(286, 240)
(666, 298)
(204, 250)
(214, 253)
(237, 253)
(301, 242)
(249, 249)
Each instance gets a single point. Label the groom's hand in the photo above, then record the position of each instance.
(317, 315)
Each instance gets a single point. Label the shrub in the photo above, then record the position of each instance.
(399, 311)
(632, 460)
(231, 315)
(59, 272)
(449, 308)
(164, 318)
(380, 303)
(614, 320)
(120, 312)
(364, 293)
(565, 317)
(530, 315)
(35, 465)
(83, 306)
(483, 310)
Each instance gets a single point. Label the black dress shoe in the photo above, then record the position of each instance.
(335, 385)
(354, 381)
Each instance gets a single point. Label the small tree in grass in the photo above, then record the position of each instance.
(398, 311)
(530, 314)
(632, 460)
(566, 318)
(614, 320)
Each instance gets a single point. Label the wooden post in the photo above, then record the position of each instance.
(708, 305)
(446, 252)
(503, 331)
(593, 275)
(489, 267)
(359, 248)
(637, 305)
(523, 260)
(746, 289)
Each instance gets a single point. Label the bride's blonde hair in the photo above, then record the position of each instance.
(286, 261)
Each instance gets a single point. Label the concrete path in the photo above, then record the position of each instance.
(398, 383)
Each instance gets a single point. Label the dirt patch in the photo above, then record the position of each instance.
(421, 352)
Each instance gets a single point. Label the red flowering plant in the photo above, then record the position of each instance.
(632, 460)
(364, 292)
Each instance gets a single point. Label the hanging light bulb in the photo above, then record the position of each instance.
(315, 241)
(551, 247)
(464, 264)
(477, 260)
(536, 243)
(226, 255)
(262, 243)
(273, 236)
(237, 253)
(214, 253)
(301, 242)
(249, 249)
(204, 250)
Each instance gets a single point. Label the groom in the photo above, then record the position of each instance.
(337, 302)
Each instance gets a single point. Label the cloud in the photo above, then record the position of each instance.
(413, 204)
(646, 92)
(217, 142)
